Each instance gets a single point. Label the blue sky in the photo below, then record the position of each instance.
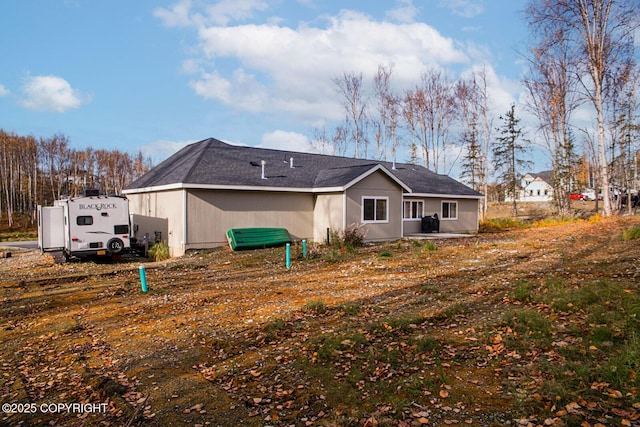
(156, 75)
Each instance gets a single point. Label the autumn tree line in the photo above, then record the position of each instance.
(580, 55)
(37, 171)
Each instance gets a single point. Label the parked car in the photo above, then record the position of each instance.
(589, 194)
(576, 196)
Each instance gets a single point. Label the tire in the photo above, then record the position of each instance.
(115, 246)
(59, 257)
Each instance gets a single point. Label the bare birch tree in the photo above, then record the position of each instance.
(387, 123)
(552, 90)
(624, 133)
(438, 114)
(486, 127)
(409, 116)
(602, 33)
(468, 103)
(383, 93)
(349, 87)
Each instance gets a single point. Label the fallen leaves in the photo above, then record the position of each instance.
(226, 339)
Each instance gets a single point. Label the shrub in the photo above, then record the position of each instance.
(595, 218)
(351, 237)
(523, 292)
(354, 236)
(351, 308)
(493, 225)
(553, 221)
(430, 246)
(318, 305)
(631, 233)
(159, 252)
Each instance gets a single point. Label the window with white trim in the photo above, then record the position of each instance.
(413, 209)
(375, 209)
(449, 210)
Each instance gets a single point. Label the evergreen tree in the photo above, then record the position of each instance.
(472, 165)
(508, 151)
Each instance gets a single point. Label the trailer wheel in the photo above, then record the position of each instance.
(59, 257)
(115, 246)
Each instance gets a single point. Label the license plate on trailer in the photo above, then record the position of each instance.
(101, 252)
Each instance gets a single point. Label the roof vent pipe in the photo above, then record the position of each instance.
(291, 162)
(263, 163)
(393, 152)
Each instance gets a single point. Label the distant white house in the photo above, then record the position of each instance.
(534, 188)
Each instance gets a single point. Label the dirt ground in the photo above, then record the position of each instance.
(401, 333)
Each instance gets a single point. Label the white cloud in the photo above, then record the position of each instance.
(405, 12)
(293, 141)
(160, 150)
(222, 12)
(225, 11)
(4, 91)
(178, 16)
(51, 93)
(289, 141)
(287, 69)
(240, 90)
(464, 8)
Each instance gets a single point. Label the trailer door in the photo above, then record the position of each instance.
(50, 227)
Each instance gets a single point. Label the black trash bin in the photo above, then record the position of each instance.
(427, 224)
(430, 224)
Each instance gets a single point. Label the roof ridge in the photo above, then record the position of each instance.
(354, 166)
(202, 150)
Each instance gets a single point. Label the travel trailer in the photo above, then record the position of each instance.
(92, 225)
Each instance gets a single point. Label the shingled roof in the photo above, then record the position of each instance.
(212, 163)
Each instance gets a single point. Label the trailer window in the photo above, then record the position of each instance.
(121, 229)
(84, 220)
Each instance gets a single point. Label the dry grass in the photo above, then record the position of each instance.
(480, 331)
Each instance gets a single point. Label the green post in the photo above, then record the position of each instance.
(143, 279)
(288, 256)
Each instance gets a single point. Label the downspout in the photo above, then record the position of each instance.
(344, 210)
(401, 214)
(185, 222)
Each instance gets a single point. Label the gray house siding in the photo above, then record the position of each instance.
(466, 220)
(163, 204)
(467, 217)
(328, 213)
(211, 213)
(376, 186)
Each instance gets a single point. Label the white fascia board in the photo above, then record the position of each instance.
(375, 169)
(179, 186)
(151, 189)
(442, 196)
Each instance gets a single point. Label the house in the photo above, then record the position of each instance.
(209, 187)
(535, 188)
